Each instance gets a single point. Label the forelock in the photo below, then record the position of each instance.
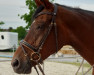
(38, 10)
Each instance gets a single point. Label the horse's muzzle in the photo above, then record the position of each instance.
(21, 67)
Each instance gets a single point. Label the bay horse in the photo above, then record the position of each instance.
(53, 27)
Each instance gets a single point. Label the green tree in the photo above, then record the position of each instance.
(27, 16)
(13, 30)
(21, 32)
(1, 23)
(10, 28)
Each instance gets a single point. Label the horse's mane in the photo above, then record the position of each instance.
(38, 10)
(79, 10)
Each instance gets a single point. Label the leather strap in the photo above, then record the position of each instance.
(42, 13)
(28, 45)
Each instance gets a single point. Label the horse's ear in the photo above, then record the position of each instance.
(38, 3)
(46, 4)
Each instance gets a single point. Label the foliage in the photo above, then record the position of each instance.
(76, 63)
(27, 16)
(1, 23)
(10, 28)
(13, 30)
(21, 32)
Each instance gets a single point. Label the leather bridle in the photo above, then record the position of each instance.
(36, 51)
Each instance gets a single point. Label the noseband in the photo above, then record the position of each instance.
(36, 51)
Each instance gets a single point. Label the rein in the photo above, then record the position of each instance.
(36, 51)
(81, 65)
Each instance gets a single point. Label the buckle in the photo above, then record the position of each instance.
(55, 14)
(35, 56)
(25, 54)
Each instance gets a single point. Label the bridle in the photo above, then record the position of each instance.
(36, 51)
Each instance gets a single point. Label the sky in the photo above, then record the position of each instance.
(9, 10)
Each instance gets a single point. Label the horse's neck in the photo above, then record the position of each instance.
(80, 34)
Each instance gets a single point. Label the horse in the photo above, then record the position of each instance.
(54, 26)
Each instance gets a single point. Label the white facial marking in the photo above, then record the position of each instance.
(34, 21)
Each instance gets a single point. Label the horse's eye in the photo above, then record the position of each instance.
(40, 27)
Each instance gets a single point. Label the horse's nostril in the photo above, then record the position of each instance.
(15, 63)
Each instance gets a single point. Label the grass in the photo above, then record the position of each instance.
(86, 65)
(77, 64)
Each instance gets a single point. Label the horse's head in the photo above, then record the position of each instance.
(40, 41)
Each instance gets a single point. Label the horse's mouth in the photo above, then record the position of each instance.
(23, 68)
(26, 70)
